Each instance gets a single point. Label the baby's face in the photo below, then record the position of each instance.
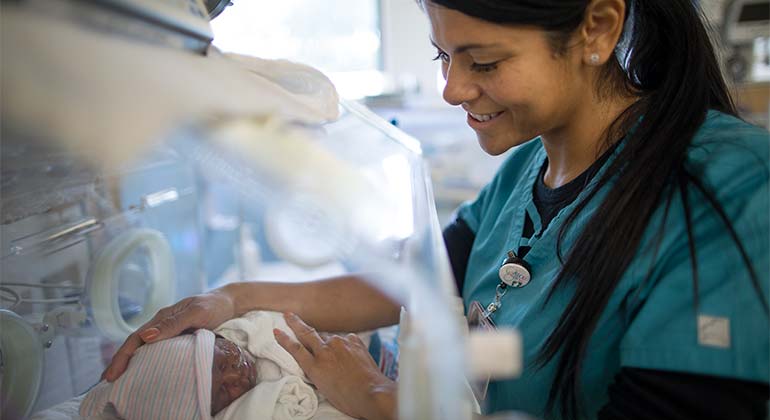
(231, 375)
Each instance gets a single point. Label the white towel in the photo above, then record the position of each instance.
(285, 399)
(283, 392)
(254, 332)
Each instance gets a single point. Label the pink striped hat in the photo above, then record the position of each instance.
(166, 380)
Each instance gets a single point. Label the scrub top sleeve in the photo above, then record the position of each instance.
(728, 335)
(458, 238)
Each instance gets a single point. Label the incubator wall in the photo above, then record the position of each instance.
(87, 257)
(124, 190)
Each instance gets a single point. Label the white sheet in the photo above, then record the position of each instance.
(288, 398)
(254, 332)
(68, 410)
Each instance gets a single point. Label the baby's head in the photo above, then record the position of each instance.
(232, 374)
(192, 376)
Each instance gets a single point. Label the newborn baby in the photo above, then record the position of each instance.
(232, 374)
(192, 376)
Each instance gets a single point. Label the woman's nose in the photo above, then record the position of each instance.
(458, 88)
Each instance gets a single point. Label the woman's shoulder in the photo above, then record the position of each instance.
(726, 132)
(727, 148)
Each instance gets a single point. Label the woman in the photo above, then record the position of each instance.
(637, 200)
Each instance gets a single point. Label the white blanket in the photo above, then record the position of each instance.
(69, 410)
(284, 399)
(284, 391)
(254, 332)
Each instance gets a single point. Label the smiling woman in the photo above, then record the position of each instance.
(515, 85)
(614, 194)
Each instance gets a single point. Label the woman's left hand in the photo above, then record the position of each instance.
(342, 370)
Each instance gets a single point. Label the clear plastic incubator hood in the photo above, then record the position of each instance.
(140, 166)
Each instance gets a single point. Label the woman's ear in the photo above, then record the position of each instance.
(602, 27)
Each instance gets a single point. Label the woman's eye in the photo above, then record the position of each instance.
(484, 68)
(441, 55)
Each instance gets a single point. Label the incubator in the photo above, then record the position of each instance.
(140, 166)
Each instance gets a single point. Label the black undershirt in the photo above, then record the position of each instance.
(635, 393)
(550, 201)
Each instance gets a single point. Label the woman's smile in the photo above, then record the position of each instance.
(481, 121)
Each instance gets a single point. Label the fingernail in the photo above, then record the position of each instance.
(276, 331)
(149, 334)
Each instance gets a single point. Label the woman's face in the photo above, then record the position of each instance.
(231, 375)
(508, 79)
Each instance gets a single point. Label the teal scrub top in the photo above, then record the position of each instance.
(646, 324)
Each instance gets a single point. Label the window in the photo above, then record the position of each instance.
(339, 37)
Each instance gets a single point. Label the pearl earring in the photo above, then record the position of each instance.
(594, 58)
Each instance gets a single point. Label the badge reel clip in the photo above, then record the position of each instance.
(514, 272)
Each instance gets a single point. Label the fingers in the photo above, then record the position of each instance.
(171, 321)
(295, 349)
(356, 339)
(169, 325)
(306, 334)
(352, 338)
(120, 359)
(165, 324)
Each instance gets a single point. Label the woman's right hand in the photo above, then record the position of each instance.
(208, 311)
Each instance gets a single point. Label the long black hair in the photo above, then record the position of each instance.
(665, 59)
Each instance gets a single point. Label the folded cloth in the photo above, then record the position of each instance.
(165, 380)
(285, 399)
(254, 332)
(283, 391)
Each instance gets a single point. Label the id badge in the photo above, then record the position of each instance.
(478, 318)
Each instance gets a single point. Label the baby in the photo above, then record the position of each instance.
(192, 376)
(232, 374)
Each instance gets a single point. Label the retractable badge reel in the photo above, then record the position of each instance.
(515, 271)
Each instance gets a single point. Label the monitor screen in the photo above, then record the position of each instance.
(755, 12)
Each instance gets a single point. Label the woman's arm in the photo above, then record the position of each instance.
(345, 303)
(338, 304)
(646, 393)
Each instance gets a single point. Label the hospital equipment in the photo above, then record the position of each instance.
(140, 165)
(744, 21)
